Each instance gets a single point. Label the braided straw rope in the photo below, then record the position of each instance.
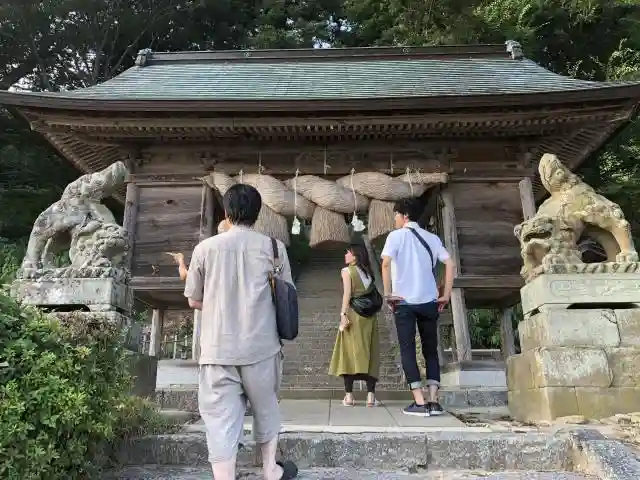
(326, 202)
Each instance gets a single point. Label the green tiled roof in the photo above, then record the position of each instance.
(318, 76)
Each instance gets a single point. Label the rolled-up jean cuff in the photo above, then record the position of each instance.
(415, 385)
(433, 382)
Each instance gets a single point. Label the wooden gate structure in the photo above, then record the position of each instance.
(481, 114)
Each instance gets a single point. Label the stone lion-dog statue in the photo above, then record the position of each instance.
(574, 211)
(80, 222)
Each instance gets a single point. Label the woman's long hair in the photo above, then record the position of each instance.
(361, 255)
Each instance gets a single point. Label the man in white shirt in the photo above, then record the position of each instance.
(409, 258)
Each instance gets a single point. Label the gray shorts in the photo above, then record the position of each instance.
(222, 399)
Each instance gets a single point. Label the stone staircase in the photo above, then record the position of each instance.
(428, 456)
(307, 358)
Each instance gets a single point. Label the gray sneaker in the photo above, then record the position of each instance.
(416, 410)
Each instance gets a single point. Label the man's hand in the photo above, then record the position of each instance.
(443, 301)
(392, 301)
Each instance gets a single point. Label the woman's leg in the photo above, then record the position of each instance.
(348, 383)
(371, 384)
(348, 389)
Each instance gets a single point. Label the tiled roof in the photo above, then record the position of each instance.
(352, 75)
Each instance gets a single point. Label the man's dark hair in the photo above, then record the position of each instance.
(411, 207)
(242, 204)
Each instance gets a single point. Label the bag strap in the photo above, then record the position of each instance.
(277, 265)
(427, 248)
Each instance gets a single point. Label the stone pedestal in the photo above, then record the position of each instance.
(97, 294)
(106, 298)
(580, 341)
(474, 374)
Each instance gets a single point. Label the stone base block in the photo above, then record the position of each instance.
(549, 403)
(474, 373)
(145, 371)
(557, 328)
(98, 294)
(550, 382)
(561, 291)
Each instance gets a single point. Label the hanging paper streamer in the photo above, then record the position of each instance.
(295, 226)
(409, 178)
(325, 165)
(356, 223)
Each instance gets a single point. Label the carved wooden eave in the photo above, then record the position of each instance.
(209, 103)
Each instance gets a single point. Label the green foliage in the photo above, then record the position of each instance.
(63, 394)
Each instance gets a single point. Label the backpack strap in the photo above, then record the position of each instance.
(427, 248)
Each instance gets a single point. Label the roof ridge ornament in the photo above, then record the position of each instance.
(144, 56)
(515, 49)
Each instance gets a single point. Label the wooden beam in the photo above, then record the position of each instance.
(527, 198)
(489, 282)
(458, 307)
(157, 322)
(473, 282)
(566, 114)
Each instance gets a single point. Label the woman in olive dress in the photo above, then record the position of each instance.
(356, 354)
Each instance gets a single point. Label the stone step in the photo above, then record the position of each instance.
(157, 472)
(187, 398)
(391, 452)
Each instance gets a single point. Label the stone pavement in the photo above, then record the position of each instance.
(330, 416)
(204, 473)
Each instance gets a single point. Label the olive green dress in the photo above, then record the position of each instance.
(357, 348)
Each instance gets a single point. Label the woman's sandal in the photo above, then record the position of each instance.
(375, 402)
(347, 403)
(289, 470)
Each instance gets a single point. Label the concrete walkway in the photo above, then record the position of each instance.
(330, 416)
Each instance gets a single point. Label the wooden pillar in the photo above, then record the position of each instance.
(207, 229)
(207, 213)
(458, 307)
(506, 333)
(131, 219)
(157, 321)
(527, 199)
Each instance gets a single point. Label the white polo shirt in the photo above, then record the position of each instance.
(411, 267)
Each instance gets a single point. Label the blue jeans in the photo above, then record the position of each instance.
(425, 317)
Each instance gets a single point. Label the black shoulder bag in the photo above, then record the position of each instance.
(285, 299)
(369, 303)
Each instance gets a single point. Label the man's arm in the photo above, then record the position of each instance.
(389, 252)
(449, 273)
(386, 276)
(194, 287)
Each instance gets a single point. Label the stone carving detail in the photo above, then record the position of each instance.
(549, 240)
(80, 222)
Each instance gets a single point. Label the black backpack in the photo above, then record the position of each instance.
(285, 299)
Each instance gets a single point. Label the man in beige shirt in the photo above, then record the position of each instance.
(240, 351)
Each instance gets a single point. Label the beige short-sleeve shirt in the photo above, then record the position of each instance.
(229, 273)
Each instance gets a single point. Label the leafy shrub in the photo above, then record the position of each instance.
(63, 394)
(10, 258)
